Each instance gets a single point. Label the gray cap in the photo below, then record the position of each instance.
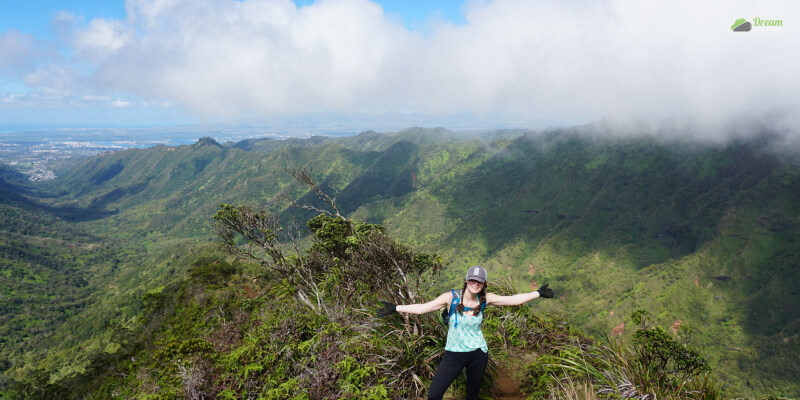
(476, 273)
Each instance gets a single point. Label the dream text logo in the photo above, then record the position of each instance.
(742, 25)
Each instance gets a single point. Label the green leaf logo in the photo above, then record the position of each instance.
(741, 25)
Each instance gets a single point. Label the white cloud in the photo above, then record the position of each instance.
(55, 79)
(102, 38)
(514, 60)
(96, 98)
(9, 98)
(228, 58)
(18, 51)
(121, 103)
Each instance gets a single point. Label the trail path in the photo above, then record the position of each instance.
(507, 388)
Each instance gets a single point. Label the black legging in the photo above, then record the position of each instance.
(474, 361)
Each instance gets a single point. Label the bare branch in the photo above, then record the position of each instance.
(303, 176)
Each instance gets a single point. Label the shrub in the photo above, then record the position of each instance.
(656, 366)
(212, 270)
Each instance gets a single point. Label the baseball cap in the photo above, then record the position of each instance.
(476, 273)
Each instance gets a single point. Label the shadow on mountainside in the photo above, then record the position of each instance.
(662, 202)
(26, 198)
(389, 176)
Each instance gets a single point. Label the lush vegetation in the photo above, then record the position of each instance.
(215, 334)
(656, 365)
(699, 235)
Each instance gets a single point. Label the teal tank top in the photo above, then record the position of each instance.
(467, 335)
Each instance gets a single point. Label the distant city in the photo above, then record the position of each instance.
(34, 152)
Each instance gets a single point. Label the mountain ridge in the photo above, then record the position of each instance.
(613, 224)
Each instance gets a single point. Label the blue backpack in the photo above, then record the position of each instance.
(446, 314)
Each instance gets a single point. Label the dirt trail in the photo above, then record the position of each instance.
(506, 387)
(250, 292)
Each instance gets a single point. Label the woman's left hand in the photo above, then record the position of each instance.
(546, 292)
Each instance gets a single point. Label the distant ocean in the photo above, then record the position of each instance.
(145, 137)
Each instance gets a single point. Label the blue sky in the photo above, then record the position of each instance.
(473, 63)
(35, 16)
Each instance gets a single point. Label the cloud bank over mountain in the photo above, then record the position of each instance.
(512, 60)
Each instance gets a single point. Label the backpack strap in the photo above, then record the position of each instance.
(453, 305)
(483, 307)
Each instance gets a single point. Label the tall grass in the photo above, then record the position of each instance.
(655, 366)
(576, 389)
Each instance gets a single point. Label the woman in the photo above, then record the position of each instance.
(466, 346)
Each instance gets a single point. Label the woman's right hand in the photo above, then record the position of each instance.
(388, 308)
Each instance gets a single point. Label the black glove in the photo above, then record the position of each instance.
(546, 292)
(387, 309)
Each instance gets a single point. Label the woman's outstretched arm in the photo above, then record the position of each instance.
(517, 299)
(436, 304)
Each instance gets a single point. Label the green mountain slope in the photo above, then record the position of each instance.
(164, 192)
(704, 236)
(365, 141)
(700, 235)
(48, 271)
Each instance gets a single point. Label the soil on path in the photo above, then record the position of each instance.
(506, 387)
(506, 383)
